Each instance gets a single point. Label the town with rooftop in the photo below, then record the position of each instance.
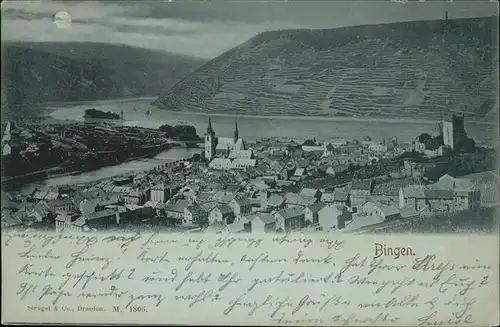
(436, 183)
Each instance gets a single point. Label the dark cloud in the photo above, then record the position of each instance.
(208, 28)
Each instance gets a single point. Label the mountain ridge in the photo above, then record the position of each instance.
(347, 71)
(41, 72)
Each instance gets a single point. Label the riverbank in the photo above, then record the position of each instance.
(322, 118)
(125, 168)
(18, 182)
(253, 127)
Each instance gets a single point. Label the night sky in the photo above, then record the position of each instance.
(208, 28)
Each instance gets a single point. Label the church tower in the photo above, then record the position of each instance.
(210, 141)
(236, 133)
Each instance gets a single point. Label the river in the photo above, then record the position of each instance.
(250, 128)
(106, 172)
(253, 127)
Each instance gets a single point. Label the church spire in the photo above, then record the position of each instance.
(236, 133)
(210, 130)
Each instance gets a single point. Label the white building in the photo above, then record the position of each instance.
(241, 205)
(262, 223)
(160, 193)
(223, 146)
(221, 214)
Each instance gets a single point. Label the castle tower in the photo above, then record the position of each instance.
(236, 132)
(446, 131)
(210, 141)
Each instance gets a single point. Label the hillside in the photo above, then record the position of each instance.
(35, 73)
(410, 69)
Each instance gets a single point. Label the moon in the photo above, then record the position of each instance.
(62, 19)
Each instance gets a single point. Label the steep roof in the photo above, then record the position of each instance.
(390, 210)
(196, 209)
(297, 199)
(292, 212)
(275, 200)
(316, 207)
(242, 201)
(308, 192)
(265, 217)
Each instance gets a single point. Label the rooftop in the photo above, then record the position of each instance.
(316, 207)
(265, 218)
(292, 212)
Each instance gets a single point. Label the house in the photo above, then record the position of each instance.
(310, 193)
(123, 181)
(258, 184)
(333, 217)
(176, 211)
(272, 202)
(97, 192)
(80, 224)
(335, 142)
(241, 205)
(220, 164)
(296, 200)
(488, 184)
(241, 154)
(102, 203)
(243, 163)
(413, 169)
(382, 212)
(262, 223)
(10, 221)
(160, 193)
(60, 205)
(64, 222)
(224, 196)
(360, 191)
(311, 212)
(131, 195)
(195, 215)
(45, 195)
(390, 212)
(384, 199)
(104, 218)
(38, 195)
(290, 219)
(318, 150)
(41, 211)
(221, 214)
(341, 197)
(361, 221)
(298, 174)
(447, 195)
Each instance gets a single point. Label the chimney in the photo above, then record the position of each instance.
(446, 16)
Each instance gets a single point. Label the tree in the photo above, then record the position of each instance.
(196, 157)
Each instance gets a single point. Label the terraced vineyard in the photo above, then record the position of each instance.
(411, 70)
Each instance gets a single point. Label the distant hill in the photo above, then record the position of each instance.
(410, 69)
(34, 73)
